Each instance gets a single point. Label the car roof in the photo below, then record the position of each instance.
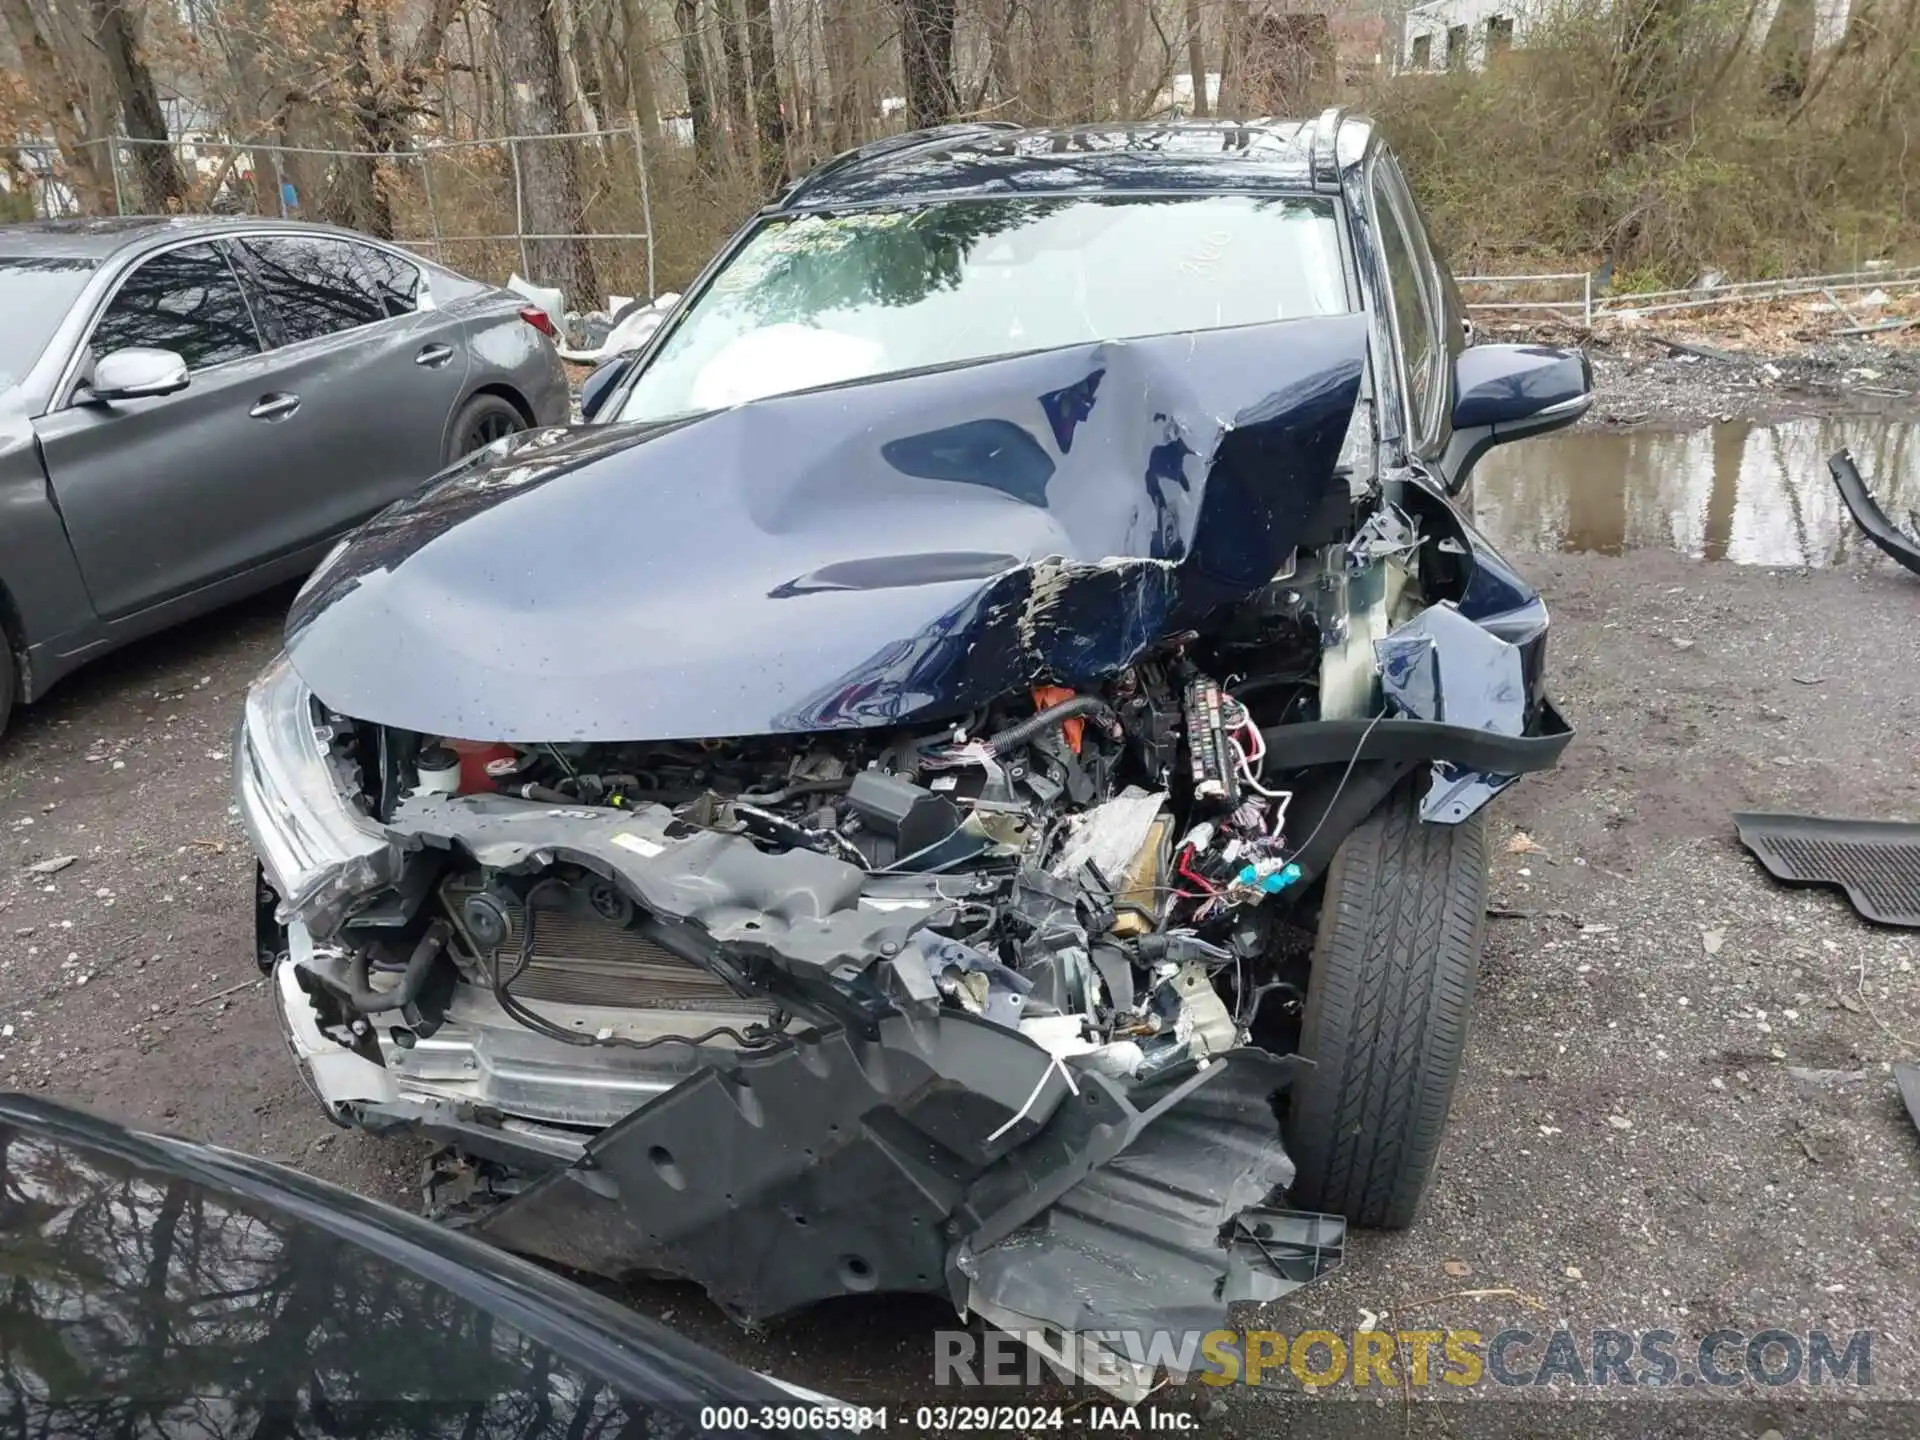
(971, 161)
(100, 238)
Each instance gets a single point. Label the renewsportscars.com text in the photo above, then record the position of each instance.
(1363, 1359)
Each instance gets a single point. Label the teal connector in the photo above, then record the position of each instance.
(1270, 882)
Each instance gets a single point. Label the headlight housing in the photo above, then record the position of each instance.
(317, 849)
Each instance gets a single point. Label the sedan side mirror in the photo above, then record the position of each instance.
(1508, 392)
(138, 373)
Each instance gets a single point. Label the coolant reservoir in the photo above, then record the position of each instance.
(439, 770)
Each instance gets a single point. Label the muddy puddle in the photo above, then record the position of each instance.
(1752, 494)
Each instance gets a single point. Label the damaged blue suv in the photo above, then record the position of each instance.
(968, 776)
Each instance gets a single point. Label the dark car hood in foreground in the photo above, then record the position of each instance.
(889, 550)
(154, 1287)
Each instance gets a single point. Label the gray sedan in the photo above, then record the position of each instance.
(192, 410)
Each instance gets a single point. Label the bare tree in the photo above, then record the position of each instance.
(768, 122)
(734, 55)
(926, 59)
(693, 60)
(160, 181)
(1080, 64)
(549, 170)
(1196, 59)
(56, 92)
(837, 37)
(637, 58)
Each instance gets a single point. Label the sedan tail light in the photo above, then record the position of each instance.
(540, 321)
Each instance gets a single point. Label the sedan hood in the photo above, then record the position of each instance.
(878, 552)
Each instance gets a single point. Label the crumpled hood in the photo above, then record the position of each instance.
(889, 550)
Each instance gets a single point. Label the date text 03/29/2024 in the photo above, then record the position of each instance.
(960, 1419)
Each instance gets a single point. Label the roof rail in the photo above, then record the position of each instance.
(1326, 156)
(889, 145)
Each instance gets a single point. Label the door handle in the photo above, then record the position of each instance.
(434, 356)
(276, 406)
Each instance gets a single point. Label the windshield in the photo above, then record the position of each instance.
(35, 294)
(817, 299)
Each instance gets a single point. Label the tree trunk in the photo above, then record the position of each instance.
(162, 186)
(1233, 57)
(733, 54)
(56, 92)
(368, 207)
(1081, 86)
(549, 174)
(693, 60)
(641, 95)
(837, 38)
(1127, 59)
(566, 33)
(1787, 58)
(1196, 59)
(1645, 98)
(768, 122)
(926, 59)
(1003, 87)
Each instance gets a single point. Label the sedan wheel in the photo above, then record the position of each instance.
(483, 420)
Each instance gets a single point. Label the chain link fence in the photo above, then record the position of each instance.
(460, 202)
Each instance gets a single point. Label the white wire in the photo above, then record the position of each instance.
(1251, 778)
(1260, 755)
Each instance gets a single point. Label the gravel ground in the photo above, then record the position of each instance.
(1749, 364)
(1676, 1111)
(1644, 381)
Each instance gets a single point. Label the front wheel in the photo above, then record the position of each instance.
(1394, 964)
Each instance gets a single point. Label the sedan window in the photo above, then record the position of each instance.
(36, 291)
(316, 287)
(186, 301)
(393, 280)
(814, 299)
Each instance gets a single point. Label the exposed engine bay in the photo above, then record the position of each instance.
(1093, 867)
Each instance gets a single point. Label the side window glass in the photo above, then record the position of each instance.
(1413, 316)
(1416, 228)
(314, 287)
(184, 300)
(389, 279)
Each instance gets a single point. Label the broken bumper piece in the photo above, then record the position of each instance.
(941, 1154)
(947, 1156)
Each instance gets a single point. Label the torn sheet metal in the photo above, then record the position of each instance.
(1441, 666)
(853, 556)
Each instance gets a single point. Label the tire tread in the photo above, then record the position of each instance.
(1394, 967)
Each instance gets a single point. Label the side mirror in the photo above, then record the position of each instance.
(138, 373)
(595, 388)
(1508, 392)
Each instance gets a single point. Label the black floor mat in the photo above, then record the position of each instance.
(1877, 862)
(1907, 1077)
